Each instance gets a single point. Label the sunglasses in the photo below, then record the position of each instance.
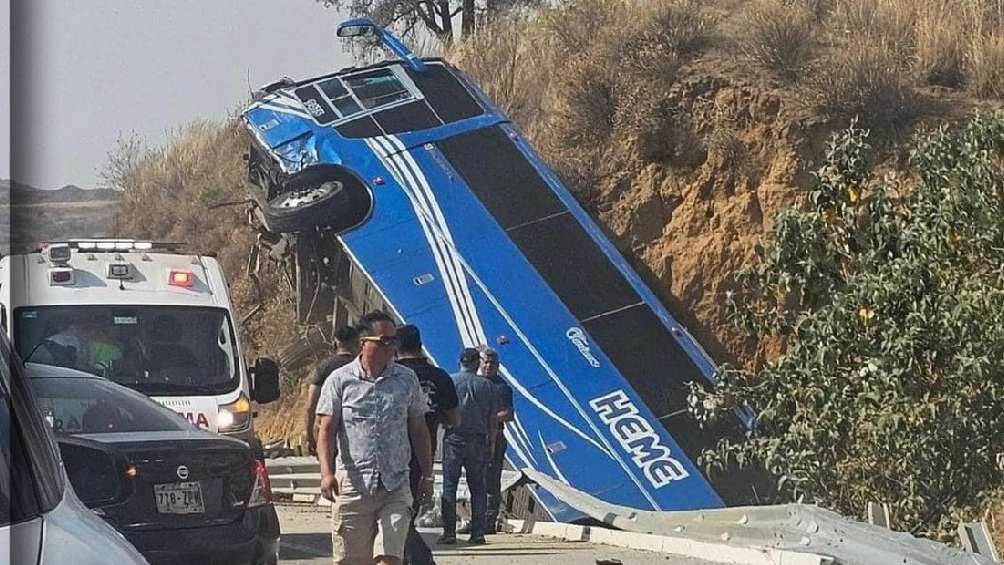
(384, 340)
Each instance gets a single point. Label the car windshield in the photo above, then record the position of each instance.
(158, 350)
(74, 405)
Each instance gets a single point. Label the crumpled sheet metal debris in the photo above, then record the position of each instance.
(790, 527)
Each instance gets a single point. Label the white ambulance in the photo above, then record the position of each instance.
(142, 314)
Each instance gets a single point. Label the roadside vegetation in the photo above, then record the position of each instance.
(888, 293)
(691, 129)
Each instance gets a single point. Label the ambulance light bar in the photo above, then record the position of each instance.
(100, 245)
(106, 245)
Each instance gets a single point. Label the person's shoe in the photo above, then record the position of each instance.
(447, 539)
(479, 540)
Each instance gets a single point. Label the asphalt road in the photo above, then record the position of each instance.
(306, 540)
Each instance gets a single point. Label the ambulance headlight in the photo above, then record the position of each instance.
(235, 416)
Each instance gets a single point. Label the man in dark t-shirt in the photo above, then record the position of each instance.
(442, 398)
(346, 349)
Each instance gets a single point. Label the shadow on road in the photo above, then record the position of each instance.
(304, 546)
(315, 545)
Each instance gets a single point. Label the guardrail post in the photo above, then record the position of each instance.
(878, 514)
(976, 538)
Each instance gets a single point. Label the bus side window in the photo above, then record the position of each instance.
(3, 317)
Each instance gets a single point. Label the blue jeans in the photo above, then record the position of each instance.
(493, 482)
(464, 452)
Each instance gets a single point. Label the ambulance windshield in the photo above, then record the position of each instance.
(158, 350)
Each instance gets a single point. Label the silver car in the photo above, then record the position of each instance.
(41, 519)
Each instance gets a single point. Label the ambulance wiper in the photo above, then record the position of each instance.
(153, 387)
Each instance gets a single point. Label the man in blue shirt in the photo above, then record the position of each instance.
(465, 448)
(489, 369)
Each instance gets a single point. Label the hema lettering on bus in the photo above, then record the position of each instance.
(638, 438)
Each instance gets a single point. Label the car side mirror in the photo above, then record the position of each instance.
(265, 383)
(354, 30)
(365, 27)
(99, 476)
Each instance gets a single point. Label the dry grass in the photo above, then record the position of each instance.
(513, 64)
(845, 58)
(779, 36)
(865, 81)
(940, 46)
(985, 65)
(889, 24)
(684, 27)
(615, 60)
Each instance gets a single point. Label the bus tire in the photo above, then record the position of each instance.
(322, 197)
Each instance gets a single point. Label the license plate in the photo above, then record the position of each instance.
(179, 498)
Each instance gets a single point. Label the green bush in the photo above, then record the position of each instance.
(888, 295)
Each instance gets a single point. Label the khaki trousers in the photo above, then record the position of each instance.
(365, 526)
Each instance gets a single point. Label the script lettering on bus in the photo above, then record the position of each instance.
(637, 437)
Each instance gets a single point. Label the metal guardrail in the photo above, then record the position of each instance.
(791, 528)
(301, 476)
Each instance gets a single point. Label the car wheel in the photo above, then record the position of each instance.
(324, 197)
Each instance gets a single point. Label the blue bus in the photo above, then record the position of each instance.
(446, 212)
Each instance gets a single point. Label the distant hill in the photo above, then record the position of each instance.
(29, 216)
(26, 194)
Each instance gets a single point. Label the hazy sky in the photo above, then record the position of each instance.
(101, 68)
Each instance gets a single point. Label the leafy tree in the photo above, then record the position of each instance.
(888, 296)
(435, 16)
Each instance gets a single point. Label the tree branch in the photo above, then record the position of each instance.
(426, 10)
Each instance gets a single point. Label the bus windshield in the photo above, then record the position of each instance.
(158, 350)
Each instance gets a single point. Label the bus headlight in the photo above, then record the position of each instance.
(235, 416)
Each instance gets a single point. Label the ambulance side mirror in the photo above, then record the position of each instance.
(264, 381)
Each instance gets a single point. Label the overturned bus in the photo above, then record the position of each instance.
(401, 185)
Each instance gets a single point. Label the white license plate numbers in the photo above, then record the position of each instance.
(179, 498)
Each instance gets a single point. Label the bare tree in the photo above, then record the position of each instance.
(435, 16)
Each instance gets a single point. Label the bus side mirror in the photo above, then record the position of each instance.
(265, 381)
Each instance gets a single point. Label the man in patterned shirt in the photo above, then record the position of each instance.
(367, 412)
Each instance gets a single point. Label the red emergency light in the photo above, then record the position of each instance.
(61, 276)
(180, 278)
